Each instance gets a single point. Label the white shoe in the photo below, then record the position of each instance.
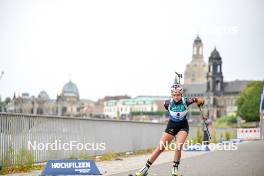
(175, 172)
(142, 172)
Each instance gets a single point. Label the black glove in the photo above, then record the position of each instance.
(166, 104)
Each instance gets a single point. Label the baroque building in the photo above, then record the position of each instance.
(195, 72)
(220, 96)
(67, 103)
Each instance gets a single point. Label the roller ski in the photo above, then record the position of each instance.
(141, 172)
(175, 172)
(137, 174)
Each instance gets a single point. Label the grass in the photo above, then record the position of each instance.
(21, 162)
(249, 125)
(20, 168)
(230, 122)
(108, 156)
(225, 122)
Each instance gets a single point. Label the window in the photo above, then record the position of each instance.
(218, 85)
(218, 68)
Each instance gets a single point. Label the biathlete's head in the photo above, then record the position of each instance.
(176, 92)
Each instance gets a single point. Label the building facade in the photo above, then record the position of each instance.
(195, 72)
(124, 107)
(220, 97)
(67, 103)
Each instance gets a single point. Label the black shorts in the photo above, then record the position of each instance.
(174, 127)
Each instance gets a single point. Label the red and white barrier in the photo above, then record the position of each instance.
(248, 133)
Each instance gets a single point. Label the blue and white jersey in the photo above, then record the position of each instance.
(178, 110)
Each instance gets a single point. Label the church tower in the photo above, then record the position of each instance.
(195, 72)
(215, 84)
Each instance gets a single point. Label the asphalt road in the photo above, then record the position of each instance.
(247, 160)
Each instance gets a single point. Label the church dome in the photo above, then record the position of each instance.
(215, 54)
(70, 89)
(43, 95)
(197, 40)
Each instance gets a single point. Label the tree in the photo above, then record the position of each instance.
(3, 104)
(249, 101)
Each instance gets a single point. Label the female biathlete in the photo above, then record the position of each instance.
(177, 107)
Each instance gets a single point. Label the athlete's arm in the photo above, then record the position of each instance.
(198, 100)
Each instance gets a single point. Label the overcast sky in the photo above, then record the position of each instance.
(113, 47)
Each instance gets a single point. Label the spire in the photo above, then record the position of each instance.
(215, 53)
(197, 40)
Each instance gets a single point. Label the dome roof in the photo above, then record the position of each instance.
(43, 95)
(197, 40)
(215, 54)
(70, 89)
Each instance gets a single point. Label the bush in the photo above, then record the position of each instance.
(228, 135)
(25, 158)
(248, 101)
(22, 162)
(195, 113)
(8, 160)
(213, 136)
(107, 156)
(225, 121)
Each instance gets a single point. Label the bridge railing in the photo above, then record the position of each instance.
(53, 137)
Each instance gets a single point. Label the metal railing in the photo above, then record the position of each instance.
(40, 134)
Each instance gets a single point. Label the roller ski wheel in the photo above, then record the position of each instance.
(138, 174)
(175, 172)
(176, 175)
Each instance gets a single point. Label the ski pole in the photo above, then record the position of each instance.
(205, 123)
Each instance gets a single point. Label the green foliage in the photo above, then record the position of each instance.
(24, 158)
(23, 161)
(225, 122)
(227, 119)
(213, 136)
(195, 113)
(227, 135)
(86, 157)
(4, 103)
(108, 156)
(193, 141)
(8, 160)
(249, 101)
